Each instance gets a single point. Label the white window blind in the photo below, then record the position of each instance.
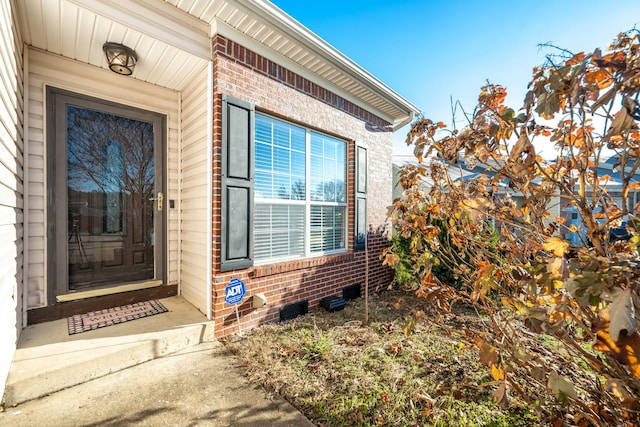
(300, 191)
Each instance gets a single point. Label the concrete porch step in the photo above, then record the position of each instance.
(48, 359)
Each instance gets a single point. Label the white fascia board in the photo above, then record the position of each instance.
(156, 19)
(285, 24)
(224, 29)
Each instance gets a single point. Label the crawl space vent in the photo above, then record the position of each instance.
(294, 310)
(332, 303)
(351, 292)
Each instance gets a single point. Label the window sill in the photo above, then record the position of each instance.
(287, 266)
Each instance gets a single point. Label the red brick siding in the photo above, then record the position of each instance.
(272, 88)
(257, 64)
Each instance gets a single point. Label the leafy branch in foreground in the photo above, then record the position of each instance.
(580, 300)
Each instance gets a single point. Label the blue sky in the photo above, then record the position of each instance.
(432, 51)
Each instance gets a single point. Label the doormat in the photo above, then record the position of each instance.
(113, 316)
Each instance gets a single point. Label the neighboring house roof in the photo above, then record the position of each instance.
(611, 167)
(457, 172)
(173, 42)
(607, 166)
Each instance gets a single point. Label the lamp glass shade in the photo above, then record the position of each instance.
(121, 59)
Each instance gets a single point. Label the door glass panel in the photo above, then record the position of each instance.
(110, 181)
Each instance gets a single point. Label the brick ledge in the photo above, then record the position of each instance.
(287, 266)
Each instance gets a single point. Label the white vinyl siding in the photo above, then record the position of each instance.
(300, 198)
(51, 70)
(195, 197)
(11, 186)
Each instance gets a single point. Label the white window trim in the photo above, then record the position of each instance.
(308, 203)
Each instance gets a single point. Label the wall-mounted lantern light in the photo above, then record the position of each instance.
(121, 59)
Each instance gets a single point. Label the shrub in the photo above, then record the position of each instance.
(408, 273)
(527, 278)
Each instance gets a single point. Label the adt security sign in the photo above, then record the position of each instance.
(234, 292)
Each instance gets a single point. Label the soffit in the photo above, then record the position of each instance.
(172, 46)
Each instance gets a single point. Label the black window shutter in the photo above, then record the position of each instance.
(237, 184)
(361, 198)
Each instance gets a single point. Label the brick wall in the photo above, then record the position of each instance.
(243, 74)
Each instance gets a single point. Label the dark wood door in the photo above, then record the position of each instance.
(109, 221)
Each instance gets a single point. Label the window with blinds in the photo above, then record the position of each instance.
(300, 194)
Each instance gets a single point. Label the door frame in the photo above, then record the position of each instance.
(57, 201)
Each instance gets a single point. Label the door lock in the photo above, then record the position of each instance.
(159, 199)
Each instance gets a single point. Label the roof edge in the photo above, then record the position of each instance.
(286, 24)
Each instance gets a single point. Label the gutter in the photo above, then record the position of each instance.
(404, 122)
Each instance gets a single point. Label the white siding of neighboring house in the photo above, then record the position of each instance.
(11, 186)
(195, 193)
(397, 192)
(555, 209)
(47, 69)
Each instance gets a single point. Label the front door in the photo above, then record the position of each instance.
(106, 198)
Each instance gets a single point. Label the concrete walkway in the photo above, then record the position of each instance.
(194, 383)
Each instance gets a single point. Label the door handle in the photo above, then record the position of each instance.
(159, 199)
